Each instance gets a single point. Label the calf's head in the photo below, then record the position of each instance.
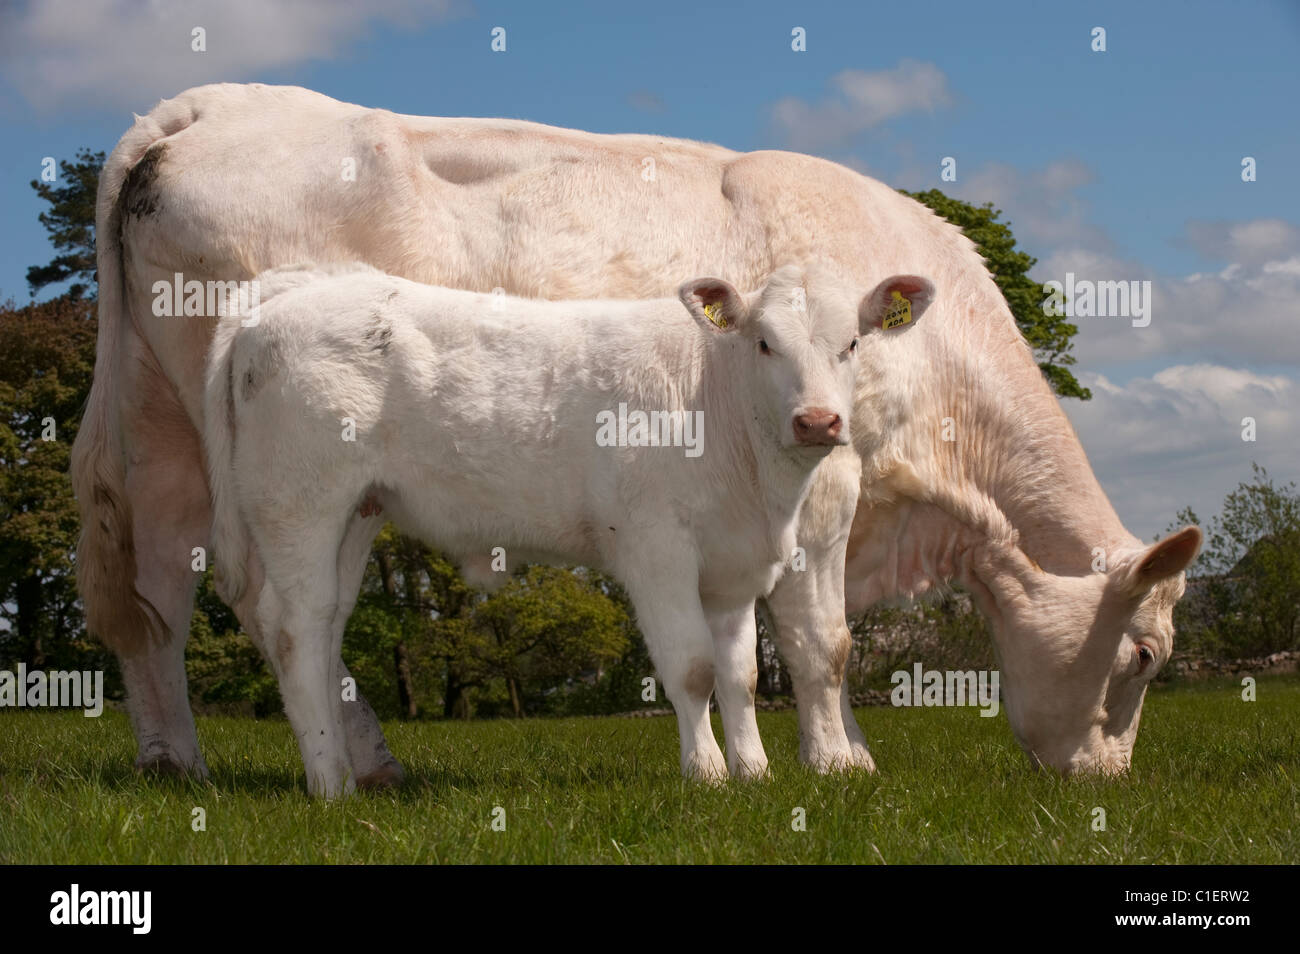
(800, 335)
(1078, 652)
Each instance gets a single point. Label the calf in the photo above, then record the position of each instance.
(478, 421)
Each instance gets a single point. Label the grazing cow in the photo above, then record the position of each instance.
(225, 181)
(479, 421)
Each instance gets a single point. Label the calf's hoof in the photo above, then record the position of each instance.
(710, 771)
(389, 775)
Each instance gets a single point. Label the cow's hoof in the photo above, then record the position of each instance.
(165, 766)
(389, 775)
(861, 760)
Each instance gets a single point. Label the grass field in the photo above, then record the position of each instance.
(1215, 780)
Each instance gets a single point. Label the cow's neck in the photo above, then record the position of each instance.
(1013, 470)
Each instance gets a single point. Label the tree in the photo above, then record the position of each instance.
(47, 351)
(547, 626)
(420, 633)
(1244, 597)
(1048, 335)
(70, 220)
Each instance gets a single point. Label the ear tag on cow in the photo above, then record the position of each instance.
(898, 313)
(714, 314)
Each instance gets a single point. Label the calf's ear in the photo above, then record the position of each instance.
(715, 304)
(897, 302)
(1160, 561)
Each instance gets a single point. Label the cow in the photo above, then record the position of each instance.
(225, 181)
(485, 424)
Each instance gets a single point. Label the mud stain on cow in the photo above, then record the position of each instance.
(262, 367)
(378, 334)
(699, 679)
(379, 330)
(140, 193)
(839, 655)
(283, 648)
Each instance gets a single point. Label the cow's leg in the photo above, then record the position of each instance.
(168, 492)
(681, 647)
(299, 629)
(860, 754)
(735, 640)
(368, 752)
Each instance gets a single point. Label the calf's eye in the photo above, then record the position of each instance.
(1145, 656)
(762, 346)
(853, 345)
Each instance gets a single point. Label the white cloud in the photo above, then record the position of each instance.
(1251, 243)
(133, 52)
(1246, 313)
(1042, 205)
(1174, 439)
(859, 101)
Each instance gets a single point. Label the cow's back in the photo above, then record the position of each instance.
(259, 176)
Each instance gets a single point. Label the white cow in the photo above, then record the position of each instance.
(478, 421)
(225, 181)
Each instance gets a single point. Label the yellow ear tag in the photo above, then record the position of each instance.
(714, 314)
(898, 313)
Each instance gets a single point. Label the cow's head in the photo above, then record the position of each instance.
(1077, 652)
(800, 335)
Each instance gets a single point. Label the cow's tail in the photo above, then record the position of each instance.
(230, 538)
(115, 610)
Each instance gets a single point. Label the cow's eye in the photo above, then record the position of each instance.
(1145, 656)
(853, 345)
(762, 346)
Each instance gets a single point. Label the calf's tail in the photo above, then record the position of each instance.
(230, 537)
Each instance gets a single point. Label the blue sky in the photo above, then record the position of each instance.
(1123, 164)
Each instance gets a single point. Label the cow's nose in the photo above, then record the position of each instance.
(817, 425)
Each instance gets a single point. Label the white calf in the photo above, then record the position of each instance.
(479, 421)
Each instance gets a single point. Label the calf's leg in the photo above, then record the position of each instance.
(807, 612)
(681, 646)
(373, 763)
(296, 615)
(735, 640)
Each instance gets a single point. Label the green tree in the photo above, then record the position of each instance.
(47, 351)
(70, 220)
(548, 626)
(1049, 336)
(1244, 597)
(421, 638)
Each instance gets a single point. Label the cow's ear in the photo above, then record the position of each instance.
(715, 304)
(896, 303)
(1160, 561)
(1001, 579)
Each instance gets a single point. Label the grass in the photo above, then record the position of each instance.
(1214, 780)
